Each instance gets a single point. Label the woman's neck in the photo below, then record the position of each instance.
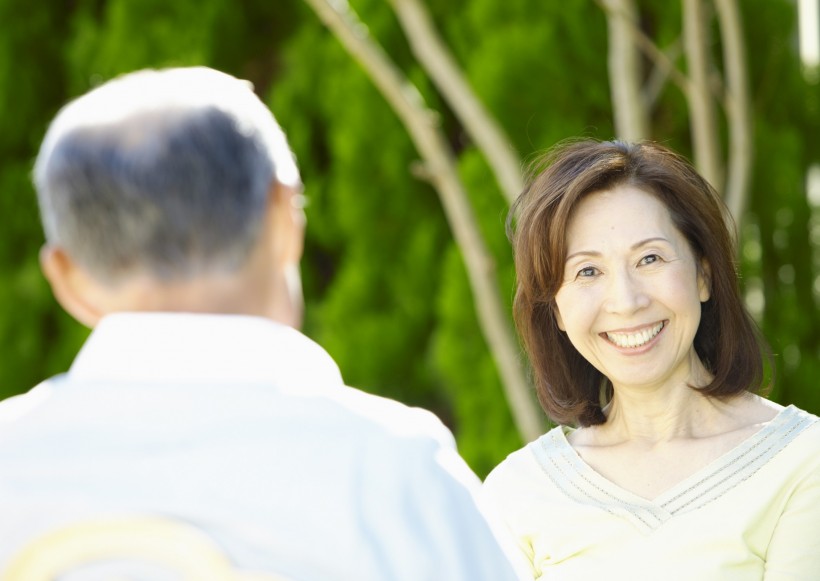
(664, 412)
(658, 417)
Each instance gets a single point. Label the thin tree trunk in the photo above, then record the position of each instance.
(659, 76)
(661, 60)
(439, 63)
(702, 117)
(738, 109)
(625, 71)
(408, 104)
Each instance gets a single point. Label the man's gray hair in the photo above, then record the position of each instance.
(165, 173)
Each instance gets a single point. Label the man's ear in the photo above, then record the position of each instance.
(704, 280)
(283, 236)
(70, 285)
(286, 204)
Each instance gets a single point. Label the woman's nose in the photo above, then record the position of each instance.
(625, 293)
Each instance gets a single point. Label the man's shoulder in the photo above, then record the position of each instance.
(15, 407)
(388, 416)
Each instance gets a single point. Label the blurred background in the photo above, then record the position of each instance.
(393, 264)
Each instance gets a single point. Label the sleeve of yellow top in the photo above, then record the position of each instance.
(794, 550)
(528, 557)
(497, 491)
(521, 551)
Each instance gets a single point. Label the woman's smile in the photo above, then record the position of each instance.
(633, 339)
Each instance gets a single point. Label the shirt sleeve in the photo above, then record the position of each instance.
(794, 549)
(438, 527)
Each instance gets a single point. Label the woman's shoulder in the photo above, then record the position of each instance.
(775, 426)
(753, 417)
(794, 435)
(526, 464)
(804, 423)
(794, 420)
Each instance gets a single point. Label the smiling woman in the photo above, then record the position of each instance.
(628, 306)
(727, 341)
(641, 289)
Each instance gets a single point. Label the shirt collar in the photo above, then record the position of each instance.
(196, 348)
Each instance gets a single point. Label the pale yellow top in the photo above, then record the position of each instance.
(752, 514)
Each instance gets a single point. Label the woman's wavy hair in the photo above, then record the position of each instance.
(570, 389)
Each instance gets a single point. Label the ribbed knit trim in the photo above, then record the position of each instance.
(578, 481)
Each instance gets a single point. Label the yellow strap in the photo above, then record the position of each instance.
(179, 547)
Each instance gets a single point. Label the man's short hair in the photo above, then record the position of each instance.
(161, 172)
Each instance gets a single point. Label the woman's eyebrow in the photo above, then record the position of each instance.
(582, 253)
(648, 240)
(594, 253)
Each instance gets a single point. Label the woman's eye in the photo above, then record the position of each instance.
(649, 259)
(587, 272)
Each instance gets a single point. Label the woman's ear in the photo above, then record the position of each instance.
(70, 285)
(557, 314)
(704, 280)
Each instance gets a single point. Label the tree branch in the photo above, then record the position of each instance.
(648, 47)
(439, 63)
(659, 76)
(702, 117)
(738, 109)
(408, 104)
(631, 118)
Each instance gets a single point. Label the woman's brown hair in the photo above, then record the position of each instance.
(727, 340)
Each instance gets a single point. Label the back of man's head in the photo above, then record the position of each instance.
(161, 173)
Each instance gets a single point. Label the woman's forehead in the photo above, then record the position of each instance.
(623, 212)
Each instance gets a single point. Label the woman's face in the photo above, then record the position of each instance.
(630, 301)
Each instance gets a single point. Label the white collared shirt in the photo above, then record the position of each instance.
(237, 436)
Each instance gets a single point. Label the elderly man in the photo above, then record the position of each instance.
(198, 433)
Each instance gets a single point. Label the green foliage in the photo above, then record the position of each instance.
(37, 340)
(523, 66)
(387, 290)
(785, 126)
(125, 35)
(379, 228)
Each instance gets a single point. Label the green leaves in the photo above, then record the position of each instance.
(386, 286)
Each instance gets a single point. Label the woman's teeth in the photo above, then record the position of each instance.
(635, 339)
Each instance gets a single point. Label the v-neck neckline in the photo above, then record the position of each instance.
(578, 480)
